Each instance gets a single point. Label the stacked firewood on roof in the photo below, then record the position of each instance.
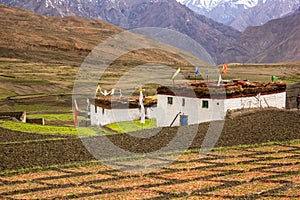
(235, 89)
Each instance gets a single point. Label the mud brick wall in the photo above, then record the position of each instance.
(17, 115)
(40, 121)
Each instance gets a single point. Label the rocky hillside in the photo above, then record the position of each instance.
(263, 13)
(275, 41)
(242, 13)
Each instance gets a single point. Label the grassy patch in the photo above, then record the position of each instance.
(54, 117)
(4, 93)
(286, 72)
(291, 79)
(125, 127)
(36, 107)
(247, 146)
(35, 128)
(32, 141)
(21, 80)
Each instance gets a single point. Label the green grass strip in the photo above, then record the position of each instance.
(247, 146)
(40, 129)
(32, 141)
(54, 117)
(37, 107)
(126, 127)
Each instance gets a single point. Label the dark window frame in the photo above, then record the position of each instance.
(170, 100)
(205, 104)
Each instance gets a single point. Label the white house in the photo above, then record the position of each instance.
(181, 109)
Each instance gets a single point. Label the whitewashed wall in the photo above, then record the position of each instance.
(192, 108)
(107, 116)
(277, 100)
(216, 110)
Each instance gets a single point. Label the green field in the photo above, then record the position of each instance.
(285, 72)
(40, 129)
(54, 117)
(125, 127)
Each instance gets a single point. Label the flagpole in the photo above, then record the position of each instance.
(76, 113)
(142, 106)
(175, 74)
(196, 74)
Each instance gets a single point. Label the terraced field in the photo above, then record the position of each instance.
(263, 172)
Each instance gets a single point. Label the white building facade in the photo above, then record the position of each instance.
(181, 111)
(102, 116)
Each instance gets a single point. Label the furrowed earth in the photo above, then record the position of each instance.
(59, 167)
(26, 150)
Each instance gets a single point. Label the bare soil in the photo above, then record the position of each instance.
(292, 92)
(247, 128)
(7, 136)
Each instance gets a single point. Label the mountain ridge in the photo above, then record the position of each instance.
(242, 13)
(275, 41)
(213, 36)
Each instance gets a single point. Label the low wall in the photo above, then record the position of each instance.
(21, 116)
(40, 121)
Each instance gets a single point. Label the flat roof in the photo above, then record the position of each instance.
(236, 89)
(116, 102)
(199, 89)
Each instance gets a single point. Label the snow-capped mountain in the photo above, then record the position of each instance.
(262, 13)
(242, 13)
(209, 5)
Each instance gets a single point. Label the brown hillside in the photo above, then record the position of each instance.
(66, 40)
(35, 37)
(213, 36)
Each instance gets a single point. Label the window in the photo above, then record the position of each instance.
(183, 102)
(170, 100)
(204, 104)
(95, 109)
